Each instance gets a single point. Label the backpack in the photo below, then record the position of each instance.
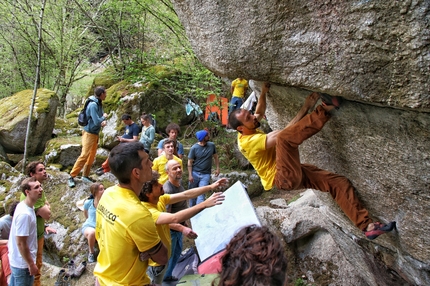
(82, 117)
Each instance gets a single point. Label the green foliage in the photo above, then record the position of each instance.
(300, 282)
(130, 33)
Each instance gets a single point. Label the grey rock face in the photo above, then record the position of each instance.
(375, 52)
(331, 249)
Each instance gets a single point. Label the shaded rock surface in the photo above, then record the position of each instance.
(368, 51)
(330, 249)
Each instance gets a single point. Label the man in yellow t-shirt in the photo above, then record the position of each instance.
(155, 201)
(125, 231)
(160, 162)
(275, 156)
(239, 87)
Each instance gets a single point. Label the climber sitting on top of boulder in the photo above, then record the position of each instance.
(275, 157)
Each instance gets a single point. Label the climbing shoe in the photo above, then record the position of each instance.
(71, 182)
(379, 229)
(329, 100)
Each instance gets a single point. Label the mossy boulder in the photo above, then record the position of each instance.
(63, 151)
(14, 112)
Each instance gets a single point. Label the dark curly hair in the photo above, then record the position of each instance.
(254, 256)
(173, 126)
(147, 187)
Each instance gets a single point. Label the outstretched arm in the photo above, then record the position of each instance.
(194, 193)
(168, 218)
(309, 104)
(260, 109)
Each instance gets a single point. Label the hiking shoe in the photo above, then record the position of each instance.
(91, 258)
(100, 171)
(87, 180)
(329, 100)
(379, 228)
(71, 182)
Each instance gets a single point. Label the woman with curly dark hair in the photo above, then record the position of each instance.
(254, 257)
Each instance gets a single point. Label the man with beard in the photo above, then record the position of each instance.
(125, 231)
(275, 156)
(200, 164)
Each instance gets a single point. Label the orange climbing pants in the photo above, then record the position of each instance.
(291, 174)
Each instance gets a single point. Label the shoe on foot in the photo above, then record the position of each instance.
(329, 100)
(379, 228)
(71, 182)
(91, 258)
(100, 171)
(170, 278)
(87, 180)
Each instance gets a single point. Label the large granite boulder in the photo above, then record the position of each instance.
(374, 55)
(368, 51)
(14, 114)
(332, 251)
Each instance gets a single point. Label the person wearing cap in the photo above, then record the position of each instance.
(200, 164)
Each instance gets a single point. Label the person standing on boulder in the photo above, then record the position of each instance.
(275, 156)
(90, 137)
(239, 87)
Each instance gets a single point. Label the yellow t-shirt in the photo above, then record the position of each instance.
(253, 147)
(159, 165)
(239, 87)
(124, 228)
(162, 229)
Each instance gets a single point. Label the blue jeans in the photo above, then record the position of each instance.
(20, 277)
(235, 103)
(176, 252)
(200, 180)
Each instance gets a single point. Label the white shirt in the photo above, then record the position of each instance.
(23, 224)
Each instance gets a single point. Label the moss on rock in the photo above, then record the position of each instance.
(16, 107)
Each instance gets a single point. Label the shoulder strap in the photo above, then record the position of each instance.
(88, 102)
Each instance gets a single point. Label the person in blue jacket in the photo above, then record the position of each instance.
(90, 137)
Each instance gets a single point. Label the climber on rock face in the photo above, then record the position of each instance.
(275, 156)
